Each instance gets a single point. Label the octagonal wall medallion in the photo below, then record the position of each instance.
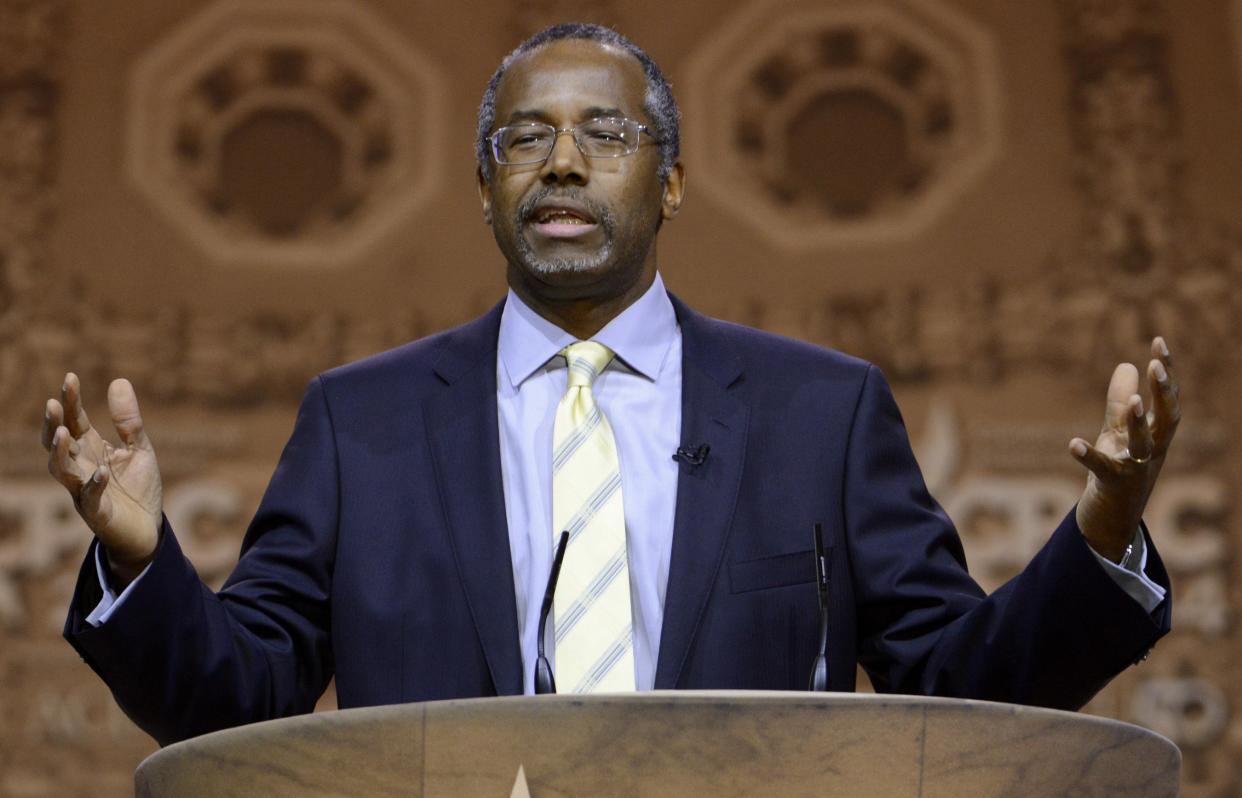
(285, 133)
(850, 121)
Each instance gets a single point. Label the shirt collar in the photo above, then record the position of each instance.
(640, 335)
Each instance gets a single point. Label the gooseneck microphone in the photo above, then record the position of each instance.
(819, 672)
(544, 682)
(692, 455)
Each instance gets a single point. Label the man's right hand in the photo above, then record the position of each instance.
(116, 490)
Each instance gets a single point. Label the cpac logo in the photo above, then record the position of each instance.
(46, 534)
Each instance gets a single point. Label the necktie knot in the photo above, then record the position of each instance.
(587, 359)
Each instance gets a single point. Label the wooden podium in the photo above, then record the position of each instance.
(674, 744)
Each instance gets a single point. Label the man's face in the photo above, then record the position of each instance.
(575, 226)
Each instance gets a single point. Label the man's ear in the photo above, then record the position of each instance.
(485, 195)
(674, 190)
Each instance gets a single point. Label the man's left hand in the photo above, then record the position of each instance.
(1128, 454)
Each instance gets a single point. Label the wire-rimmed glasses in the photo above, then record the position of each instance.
(532, 142)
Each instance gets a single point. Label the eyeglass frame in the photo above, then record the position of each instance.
(494, 139)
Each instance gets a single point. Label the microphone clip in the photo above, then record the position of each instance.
(692, 455)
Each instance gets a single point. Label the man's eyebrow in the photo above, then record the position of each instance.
(594, 112)
(527, 116)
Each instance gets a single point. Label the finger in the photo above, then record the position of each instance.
(1160, 349)
(1123, 385)
(123, 405)
(91, 497)
(1098, 463)
(75, 414)
(61, 463)
(53, 417)
(1166, 404)
(1138, 431)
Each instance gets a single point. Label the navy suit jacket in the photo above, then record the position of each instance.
(380, 554)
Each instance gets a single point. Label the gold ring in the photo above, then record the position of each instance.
(1140, 460)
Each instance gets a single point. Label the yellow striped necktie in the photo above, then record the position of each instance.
(593, 621)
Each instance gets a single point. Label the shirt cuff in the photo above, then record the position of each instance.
(1135, 582)
(110, 602)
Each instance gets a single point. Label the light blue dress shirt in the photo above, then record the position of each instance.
(640, 395)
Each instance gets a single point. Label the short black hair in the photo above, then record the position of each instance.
(659, 103)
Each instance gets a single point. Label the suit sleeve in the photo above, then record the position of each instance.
(1052, 636)
(181, 660)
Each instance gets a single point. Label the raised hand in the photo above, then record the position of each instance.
(116, 490)
(1128, 454)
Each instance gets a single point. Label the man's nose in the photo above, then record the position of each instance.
(566, 163)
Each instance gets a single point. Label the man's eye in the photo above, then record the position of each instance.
(609, 136)
(528, 140)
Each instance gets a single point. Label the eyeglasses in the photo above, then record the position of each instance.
(532, 142)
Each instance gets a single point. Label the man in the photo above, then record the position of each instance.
(407, 534)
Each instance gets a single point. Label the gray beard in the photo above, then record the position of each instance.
(562, 265)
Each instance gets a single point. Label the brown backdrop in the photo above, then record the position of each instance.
(994, 201)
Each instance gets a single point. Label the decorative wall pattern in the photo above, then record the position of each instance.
(525, 18)
(1163, 269)
(285, 132)
(845, 121)
(28, 85)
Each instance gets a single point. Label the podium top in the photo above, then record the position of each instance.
(675, 743)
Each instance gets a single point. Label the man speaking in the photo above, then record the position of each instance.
(406, 538)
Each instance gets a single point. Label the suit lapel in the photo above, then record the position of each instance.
(465, 444)
(712, 414)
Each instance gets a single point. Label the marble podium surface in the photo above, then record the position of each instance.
(697, 743)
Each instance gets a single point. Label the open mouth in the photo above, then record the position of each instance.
(561, 221)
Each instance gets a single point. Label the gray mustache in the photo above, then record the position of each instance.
(527, 209)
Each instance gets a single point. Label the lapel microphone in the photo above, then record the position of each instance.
(692, 455)
(544, 682)
(819, 671)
